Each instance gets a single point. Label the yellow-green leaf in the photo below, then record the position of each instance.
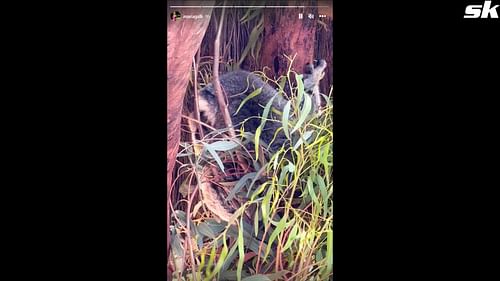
(303, 113)
(279, 228)
(241, 250)
(284, 119)
(250, 96)
(291, 237)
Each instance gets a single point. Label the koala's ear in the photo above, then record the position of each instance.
(321, 63)
(308, 68)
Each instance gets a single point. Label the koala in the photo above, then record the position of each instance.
(237, 85)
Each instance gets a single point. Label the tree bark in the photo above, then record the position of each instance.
(286, 34)
(184, 37)
(183, 40)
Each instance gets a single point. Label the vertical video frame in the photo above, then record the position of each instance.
(250, 140)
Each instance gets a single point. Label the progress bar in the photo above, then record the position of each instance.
(249, 6)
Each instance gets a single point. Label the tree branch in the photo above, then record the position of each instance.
(216, 82)
(196, 62)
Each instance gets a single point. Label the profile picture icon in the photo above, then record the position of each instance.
(176, 15)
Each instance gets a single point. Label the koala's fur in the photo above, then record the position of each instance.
(237, 85)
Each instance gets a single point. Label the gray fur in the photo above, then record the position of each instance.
(237, 85)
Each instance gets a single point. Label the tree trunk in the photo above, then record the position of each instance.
(286, 34)
(183, 40)
(184, 37)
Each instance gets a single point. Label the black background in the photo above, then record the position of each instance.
(415, 140)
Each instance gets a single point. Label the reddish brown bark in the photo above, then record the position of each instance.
(285, 33)
(184, 37)
(183, 40)
(324, 45)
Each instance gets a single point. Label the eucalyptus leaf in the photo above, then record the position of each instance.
(214, 154)
(230, 258)
(304, 113)
(241, 251)
(204, 229)
(324, 193)
(276, 232)
(303, 139)
(300, 88)
(241, 183)
(224, 145)
(285, 117)
(250, 96)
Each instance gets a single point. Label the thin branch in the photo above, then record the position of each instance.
(216, 82)
(199, 122)
(196, 63)
(188, 226)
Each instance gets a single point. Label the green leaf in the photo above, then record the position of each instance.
(204, 229)
(265, 205)
(177, 248)
(303, 138)
(193, 228)
(217, 227)
(222, 258)
(235, 215)
(252, 39)
(241, 251)
(199, 241)
(279, 228)
(276, 159)
(239, 185)
(287, 169)
(259, 190)
(254, 50)
(230, 258)
(256, 141)
(324, 193)
(300, 88)
(329, 252)
(324, 151)
(311, 191)
(224, 145)
(257, 177)
(291, 237)
(319, 255)
(265, 113)
(285, 117)
(258, 132)
(303, 113)
(211, 259)
(202, 255)
(220, 261)
(256, 222)
(251, 242)
(250, 96)
(214, 154)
